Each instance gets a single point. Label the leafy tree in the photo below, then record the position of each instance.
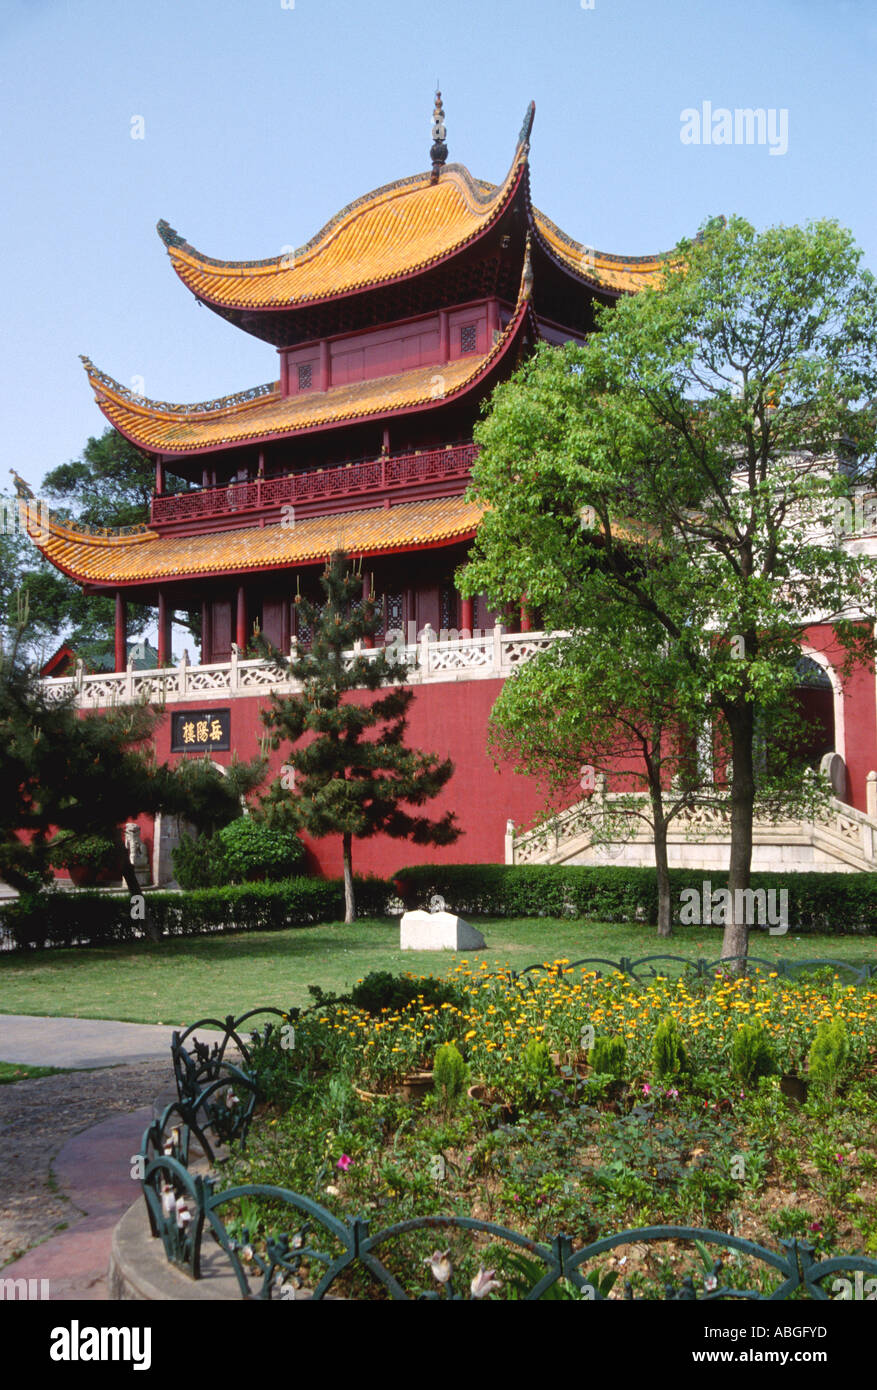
(108, 486)
(701, 428)
(346, 783)
(609, 706)
(84, 774)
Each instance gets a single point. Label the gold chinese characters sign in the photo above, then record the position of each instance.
(201, 731)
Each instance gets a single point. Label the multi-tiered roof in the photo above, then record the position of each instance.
(375, 459)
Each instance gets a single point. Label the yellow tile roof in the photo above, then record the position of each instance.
(394, 231)
(264, 413)
(145, 556)
(598, 267)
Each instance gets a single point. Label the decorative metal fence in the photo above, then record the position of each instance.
(185, 1207)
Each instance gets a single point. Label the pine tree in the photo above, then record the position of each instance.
(343, 782)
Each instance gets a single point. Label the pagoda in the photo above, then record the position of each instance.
(391, 326)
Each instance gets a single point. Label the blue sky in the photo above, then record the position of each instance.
(261, 119)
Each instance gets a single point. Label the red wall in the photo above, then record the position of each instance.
(448, 719)
(860, 715)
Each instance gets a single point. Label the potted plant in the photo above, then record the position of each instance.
(89, 859)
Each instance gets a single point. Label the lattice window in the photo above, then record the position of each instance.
(305, 376)
(469, 338)
(395, 613)
(448, 607)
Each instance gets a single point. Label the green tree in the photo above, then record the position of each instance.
(707, 434)
(340, 781)
(589, 706)
(108, 486)
(85, 774)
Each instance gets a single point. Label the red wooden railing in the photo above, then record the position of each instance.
(350, 480)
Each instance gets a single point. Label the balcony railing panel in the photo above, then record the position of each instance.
(349, 480)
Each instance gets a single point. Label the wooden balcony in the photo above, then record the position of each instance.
(407, 477)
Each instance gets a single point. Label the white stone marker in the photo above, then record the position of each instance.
(438, 931)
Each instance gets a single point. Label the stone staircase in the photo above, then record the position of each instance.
(839, 839)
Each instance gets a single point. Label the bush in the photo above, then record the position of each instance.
(56, 918)
(752, 1054)
(198, 862)
(252, 851)
(449, 1076)
(383, 990)
(84, 851)
(669, 1058)
(244, 851)
(829, 1053)
(609, 1057)
(835, 903)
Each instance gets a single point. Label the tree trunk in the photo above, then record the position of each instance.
(665, 907)
(349, 900)
(133, 885)
(736, 938)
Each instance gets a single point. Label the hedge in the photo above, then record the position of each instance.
(831, 903)
(59, 918)
(824, 903)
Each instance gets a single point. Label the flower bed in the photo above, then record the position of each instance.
(687, 1125)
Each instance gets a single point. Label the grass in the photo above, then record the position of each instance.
(10, 1072)
(179, 981)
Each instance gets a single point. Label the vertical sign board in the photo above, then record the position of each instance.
(201, 731)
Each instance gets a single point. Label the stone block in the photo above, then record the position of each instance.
(438, 931)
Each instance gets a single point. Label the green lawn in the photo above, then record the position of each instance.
(179, 981)
(11, 1072)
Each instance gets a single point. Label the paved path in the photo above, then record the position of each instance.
(81, 1042)
(92, 1171)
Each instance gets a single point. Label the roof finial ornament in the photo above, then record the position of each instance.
(527, 275)
(439, 152)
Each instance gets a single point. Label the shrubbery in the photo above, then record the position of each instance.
(244, 851)
(831, 903)
(829, 1053)
(669, 1057)
(752, 1054)
(99, 919)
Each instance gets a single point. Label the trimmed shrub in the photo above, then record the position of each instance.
(609, 1057)
(752, 1054)
(669, 1058)
(253, 851)
(57, 918)
(383, 990)
(244, 851)
(829, 1053)
(449, 1076)
(824, 903)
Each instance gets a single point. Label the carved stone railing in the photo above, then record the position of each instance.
(840, 832)
(432, 658)
(301, 489)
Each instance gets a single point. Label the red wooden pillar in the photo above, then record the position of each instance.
(241, 624)
(492, 322)
(366, 595)
(444, 350)
(325, 366)
(206, 632)
(467, 616)
(526, 624)
(121, 645)
(159, 475)
(165, 636)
